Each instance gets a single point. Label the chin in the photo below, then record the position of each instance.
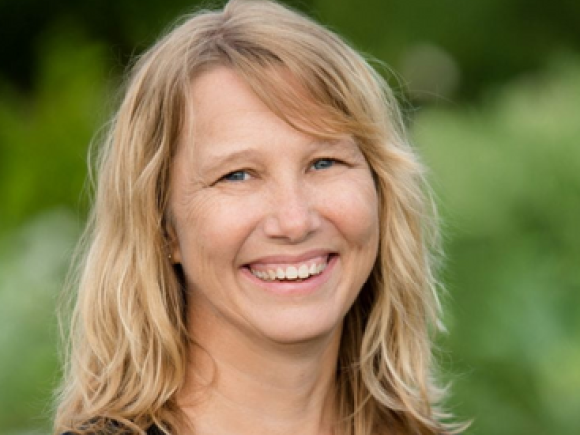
(299, 330)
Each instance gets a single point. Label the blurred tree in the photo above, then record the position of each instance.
(491, 40)
(33, 260)
(43, 141)
(507, 176)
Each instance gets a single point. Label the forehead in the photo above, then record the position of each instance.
(221, 94)
(299, 100)
(225, 110)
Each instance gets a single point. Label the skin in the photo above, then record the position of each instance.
(248, 190)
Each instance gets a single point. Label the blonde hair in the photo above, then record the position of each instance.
(128, 337)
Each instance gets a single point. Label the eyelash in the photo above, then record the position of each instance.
(230, 176)
(325, 159)
(233, 177)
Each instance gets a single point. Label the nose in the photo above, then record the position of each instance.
(293, 215)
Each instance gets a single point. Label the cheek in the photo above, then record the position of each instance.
(353, 207)
(213, 230)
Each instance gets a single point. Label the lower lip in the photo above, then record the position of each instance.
(307, 286)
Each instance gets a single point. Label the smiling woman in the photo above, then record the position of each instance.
(268, 204)
(258, 257)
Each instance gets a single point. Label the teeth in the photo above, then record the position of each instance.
(280, 273)
(290, 272)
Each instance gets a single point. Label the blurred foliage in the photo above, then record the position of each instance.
(505, 168)
(43, 139)
(33, 261)
(507, 175)
(490, 40)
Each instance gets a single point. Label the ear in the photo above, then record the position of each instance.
(173, 249)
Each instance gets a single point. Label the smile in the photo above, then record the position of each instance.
(289, 272)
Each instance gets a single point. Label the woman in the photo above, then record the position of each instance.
(258, 257)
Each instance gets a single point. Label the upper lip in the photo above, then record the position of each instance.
(275, 259)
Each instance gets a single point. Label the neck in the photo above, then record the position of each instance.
(237, 384)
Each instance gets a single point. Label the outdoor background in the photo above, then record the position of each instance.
(492, 98)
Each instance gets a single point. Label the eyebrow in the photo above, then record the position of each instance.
(219, 159)
(346, 144)
(216, 160)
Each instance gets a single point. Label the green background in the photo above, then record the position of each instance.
(491, 92)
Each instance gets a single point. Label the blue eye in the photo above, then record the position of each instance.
(236, 176)
(323, 163)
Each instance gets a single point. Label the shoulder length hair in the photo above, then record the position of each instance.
(126, 355)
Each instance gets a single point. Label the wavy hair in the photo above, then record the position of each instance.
(127, 344)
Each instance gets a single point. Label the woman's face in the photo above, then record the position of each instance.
(276, 230)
